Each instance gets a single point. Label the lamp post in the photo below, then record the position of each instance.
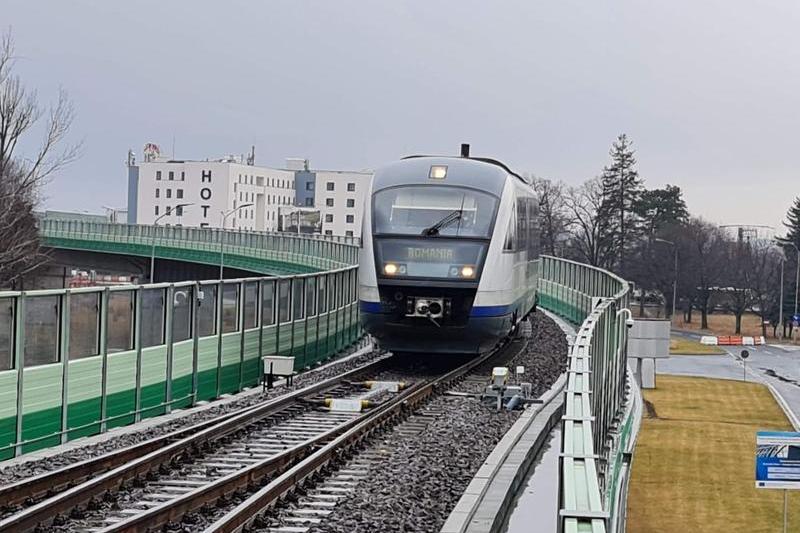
(225, 215)
(780, 306)
(675, 279)
(153, 243)
(796, 276)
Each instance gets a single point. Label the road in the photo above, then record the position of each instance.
(774, 364)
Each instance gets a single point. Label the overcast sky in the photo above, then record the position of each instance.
(708, 91)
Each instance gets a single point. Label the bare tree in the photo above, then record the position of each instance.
(552, 215)
(703, 263)
(765, 285)
(21, 176)
(581, 206)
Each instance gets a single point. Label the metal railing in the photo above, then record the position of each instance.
(596, 423)
(262, 252)
(75, 362)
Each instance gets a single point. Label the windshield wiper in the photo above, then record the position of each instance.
(446, 221)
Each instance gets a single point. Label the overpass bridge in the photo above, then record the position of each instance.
(77, 362)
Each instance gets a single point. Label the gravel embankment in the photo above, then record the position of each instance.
(32, 468)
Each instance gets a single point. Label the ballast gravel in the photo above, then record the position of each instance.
(32, 468)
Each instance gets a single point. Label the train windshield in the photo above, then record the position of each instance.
(434, 210)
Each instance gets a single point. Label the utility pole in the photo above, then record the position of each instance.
(225, 215)
(675, 278)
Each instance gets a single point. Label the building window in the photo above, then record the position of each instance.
(179, 211)
(291, 184)
(158, 174)
(350, 219)
(309, 185)
(348, 233)
(329, 202)
(328, 232)
(158, 193)
(351, 187)
(329, 186)
(179, 193)
(183, 175)
(171, 175)
(329, 217)
(169, 193)
(156, 210)
(309, 202)
(351, 202)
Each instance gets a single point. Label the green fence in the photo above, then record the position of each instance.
(596, 423)
(76, 362)
(260, 252)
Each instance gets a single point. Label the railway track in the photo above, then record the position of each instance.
(309, 491)
(268, 436)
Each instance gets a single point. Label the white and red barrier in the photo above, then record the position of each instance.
(731, 340)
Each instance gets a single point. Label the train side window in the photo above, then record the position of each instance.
(511, 233)
(522, 225)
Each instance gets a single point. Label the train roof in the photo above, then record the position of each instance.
(481, 159)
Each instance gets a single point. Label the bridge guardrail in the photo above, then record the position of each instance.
(75, 362)
(262, 252)
(597, 421)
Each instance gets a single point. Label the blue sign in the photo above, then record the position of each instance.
(796, 320)
(777, 460)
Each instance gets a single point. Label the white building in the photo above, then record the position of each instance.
(157, 186)
(339, 196)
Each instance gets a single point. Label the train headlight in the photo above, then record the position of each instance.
(468, 272)
(394, 269)
(438, 172)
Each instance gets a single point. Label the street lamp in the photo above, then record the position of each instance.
(153, 244)
(796, 277)
(675, 279)
(225, 215)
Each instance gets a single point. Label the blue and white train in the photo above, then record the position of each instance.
(449, 254)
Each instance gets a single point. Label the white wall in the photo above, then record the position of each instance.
(340, 212)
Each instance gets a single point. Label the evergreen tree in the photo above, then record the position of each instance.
(659, 209)
(622, 191)
(792, 225)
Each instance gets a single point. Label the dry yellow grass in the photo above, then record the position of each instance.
(693, 469)
(722, 324)
(684, 346)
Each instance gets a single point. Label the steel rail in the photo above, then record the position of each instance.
(145, 457)
(248, 511)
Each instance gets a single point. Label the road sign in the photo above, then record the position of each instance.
(745, 354)
(777, 460)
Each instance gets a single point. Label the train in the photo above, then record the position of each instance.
(449, 254)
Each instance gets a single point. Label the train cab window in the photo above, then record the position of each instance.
(439, 210)
(510, 243)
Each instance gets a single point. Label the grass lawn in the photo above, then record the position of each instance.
(722, 324)
(684, 346)
(694, 465)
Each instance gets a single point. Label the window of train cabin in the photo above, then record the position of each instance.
(510, 243)
(522, 224)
